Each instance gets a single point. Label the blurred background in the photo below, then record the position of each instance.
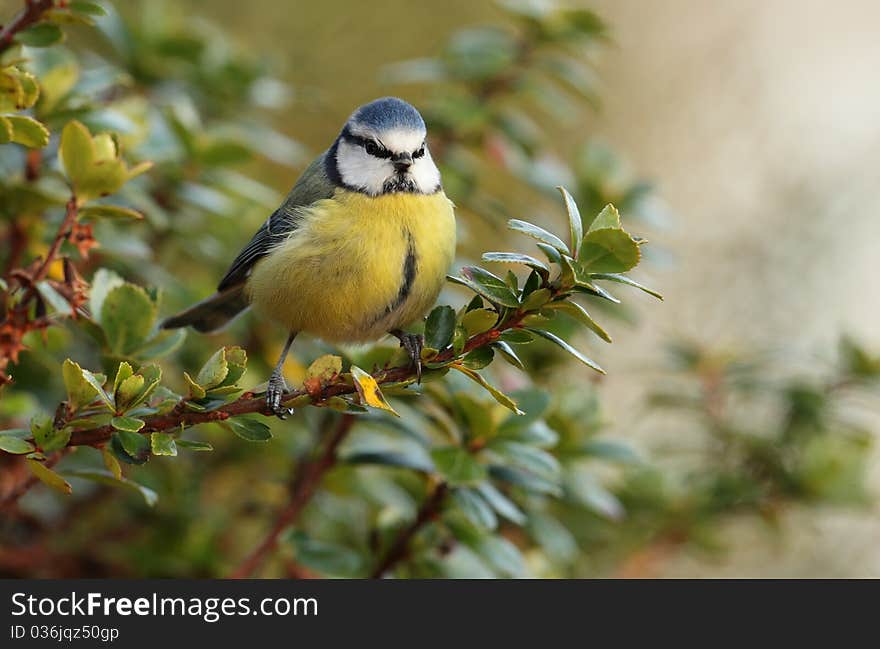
(741, 139)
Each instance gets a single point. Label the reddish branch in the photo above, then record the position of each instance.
(249, 404)
(18, 320)
(22, 481)
(307, 480)
(400, 547)
(33, 11)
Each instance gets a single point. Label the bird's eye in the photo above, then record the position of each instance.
(420, 152)
(371, 147)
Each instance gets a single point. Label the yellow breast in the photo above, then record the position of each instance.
(358, 266)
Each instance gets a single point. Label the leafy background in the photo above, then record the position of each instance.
(723, 441)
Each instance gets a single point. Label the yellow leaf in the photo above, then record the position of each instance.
(369, 391)
(324, 368)
(111, 463)
(48, 476)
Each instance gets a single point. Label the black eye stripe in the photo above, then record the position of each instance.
(370, 146)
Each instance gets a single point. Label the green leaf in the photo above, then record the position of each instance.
(571, 350)
(49, 477)
(536, 299)
(111, 480)
(529, 458)
(609, 250)
(586, 490)
(15, 445)
(478, 321)
(611, 450)
(28, 131)
(130, 447)
(127, 316)
(580, 314)
(457, 466)
(214, 371)
(607, 218)
(137, 388)
(76, 151)
(250, 429)
(163, 444)
(127, 424)
(193, 445)
(162, 344)
(97, 212)
(504, 557)
(97, 382)
(87, 8)
(501, 503)
(369, 391)
(475, 508)
(575, 223)
(538, 233)
(41, 35)
(491, 287)
(80, 392)
(517, 336)
(196, 391)
(525, 479)
(508, 354)
(623, 279)
(123, 372)
(103, 282)
(47, 437)
(440, 327)
(478, 358)
(516, 258)
(236, 362)
(327, 558)
(499, 396)
(552, 253)
(111, 463)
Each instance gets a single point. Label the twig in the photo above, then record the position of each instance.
(400, 547)
(249, 404)
(32, 12)
(64, 229)
(18, 491)
(304, 489)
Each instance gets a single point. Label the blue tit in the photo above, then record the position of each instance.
(359, 248)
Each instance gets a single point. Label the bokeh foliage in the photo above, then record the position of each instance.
(141, 140)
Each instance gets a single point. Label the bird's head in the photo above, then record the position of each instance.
(382, 150)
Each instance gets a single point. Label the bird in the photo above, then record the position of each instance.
(358, 249)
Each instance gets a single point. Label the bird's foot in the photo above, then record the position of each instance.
(413, 344)
(274, 393)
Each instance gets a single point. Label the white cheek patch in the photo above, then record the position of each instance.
(357, 168)
(425, 173)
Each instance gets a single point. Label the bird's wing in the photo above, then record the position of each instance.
(312, 186)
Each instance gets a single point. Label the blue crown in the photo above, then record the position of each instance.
(388, 113)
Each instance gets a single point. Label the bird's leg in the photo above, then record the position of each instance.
(276, 386)
(413, 344)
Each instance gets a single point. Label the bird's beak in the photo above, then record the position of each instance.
(402, 162)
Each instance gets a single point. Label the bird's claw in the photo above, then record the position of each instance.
(274, 393)
(413, 344)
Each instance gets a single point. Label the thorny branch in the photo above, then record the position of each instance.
(32, 12)
(250, 404)
(308, 478)
(400, 547)
(18, 320)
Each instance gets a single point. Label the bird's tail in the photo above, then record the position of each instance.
(212, 313)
